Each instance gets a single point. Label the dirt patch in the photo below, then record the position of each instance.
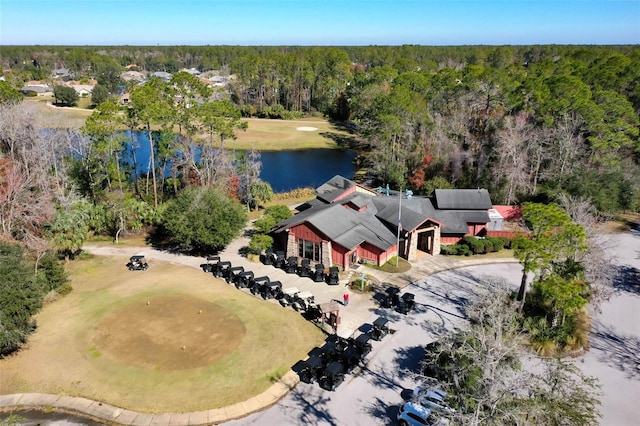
(169, 333)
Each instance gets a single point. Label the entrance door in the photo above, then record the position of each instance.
(425, 241)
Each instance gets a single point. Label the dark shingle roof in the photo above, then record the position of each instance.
(343, 225)
(333, 188)
(462, 199)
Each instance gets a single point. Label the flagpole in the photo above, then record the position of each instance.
(399, 226)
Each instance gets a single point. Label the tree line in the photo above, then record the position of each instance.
(525, 122)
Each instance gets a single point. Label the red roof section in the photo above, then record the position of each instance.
(510, 213)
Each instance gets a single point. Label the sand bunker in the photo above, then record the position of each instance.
(306, 129)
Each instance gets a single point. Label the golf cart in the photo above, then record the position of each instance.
(279, 260)
(220, 269)
(391, 298)
(291, 266)
(244, 279)
(380, 328)
(311, 370)
(211, 263)
(272, 290)
(406, 303)
(334, 276)
(256, 285)
(332, 376)
(362, 344)
(318, 274)
(269, 257)
(303, 301)
(304, 270)
(288, 295)
(232, 274)
(137, 263)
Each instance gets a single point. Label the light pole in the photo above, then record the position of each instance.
(399, 225)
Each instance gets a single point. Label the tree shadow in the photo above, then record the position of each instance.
(408, 361)
(617, 350)
(627, 279)
(379, 409)
(342, 141)
(312, 408)
(384, 378)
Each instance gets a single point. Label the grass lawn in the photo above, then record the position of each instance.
(171, 339)
(262, 134)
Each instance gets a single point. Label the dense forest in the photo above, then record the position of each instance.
(526, 122)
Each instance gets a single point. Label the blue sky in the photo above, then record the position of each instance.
(318, 22)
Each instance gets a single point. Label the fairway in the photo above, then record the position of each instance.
(170, 339)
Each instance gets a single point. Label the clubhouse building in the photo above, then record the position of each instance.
(348, 223)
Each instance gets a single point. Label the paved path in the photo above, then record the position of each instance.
(360, 309)
(372, 395)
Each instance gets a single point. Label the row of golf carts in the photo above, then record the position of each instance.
(262, 286)
(303, 268)
(329, 364)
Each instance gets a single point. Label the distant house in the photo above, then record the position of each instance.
(83, 90)
(166, 76)
(38, 89)
(61, 72)
(348, 223)
(192, 71)
(125, 98)
(132, 75)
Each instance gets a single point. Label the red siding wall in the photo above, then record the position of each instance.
(474, 229)
(369, 252)
(337, 254)
(450, 239)
(508, 234)
(307, 232)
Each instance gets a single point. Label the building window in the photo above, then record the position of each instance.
(309, 250)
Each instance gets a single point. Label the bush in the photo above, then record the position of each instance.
(259, 243)
(203, 218)
(449, 249)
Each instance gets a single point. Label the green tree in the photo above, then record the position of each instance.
(65, 96)
(21, 298)
(553, 237)
(151, 104)
(259, 243)
(70, 226)
(9, 94)
(203, 218)
(99, 95)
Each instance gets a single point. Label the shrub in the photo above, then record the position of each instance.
(259, 243)
(449, 249)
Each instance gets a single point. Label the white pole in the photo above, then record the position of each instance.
(399, 224)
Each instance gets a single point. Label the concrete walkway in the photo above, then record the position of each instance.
(360, 308)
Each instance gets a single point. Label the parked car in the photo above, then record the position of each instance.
(414, 414)
(433, 399)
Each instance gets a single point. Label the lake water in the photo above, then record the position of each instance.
(283, 170)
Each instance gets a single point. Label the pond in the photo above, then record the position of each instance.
(284, 170)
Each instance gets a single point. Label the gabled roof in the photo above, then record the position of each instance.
(334, 188)
(343, 225)
(462, 199)
(413, 212)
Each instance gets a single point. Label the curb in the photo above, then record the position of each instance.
(99, 411)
